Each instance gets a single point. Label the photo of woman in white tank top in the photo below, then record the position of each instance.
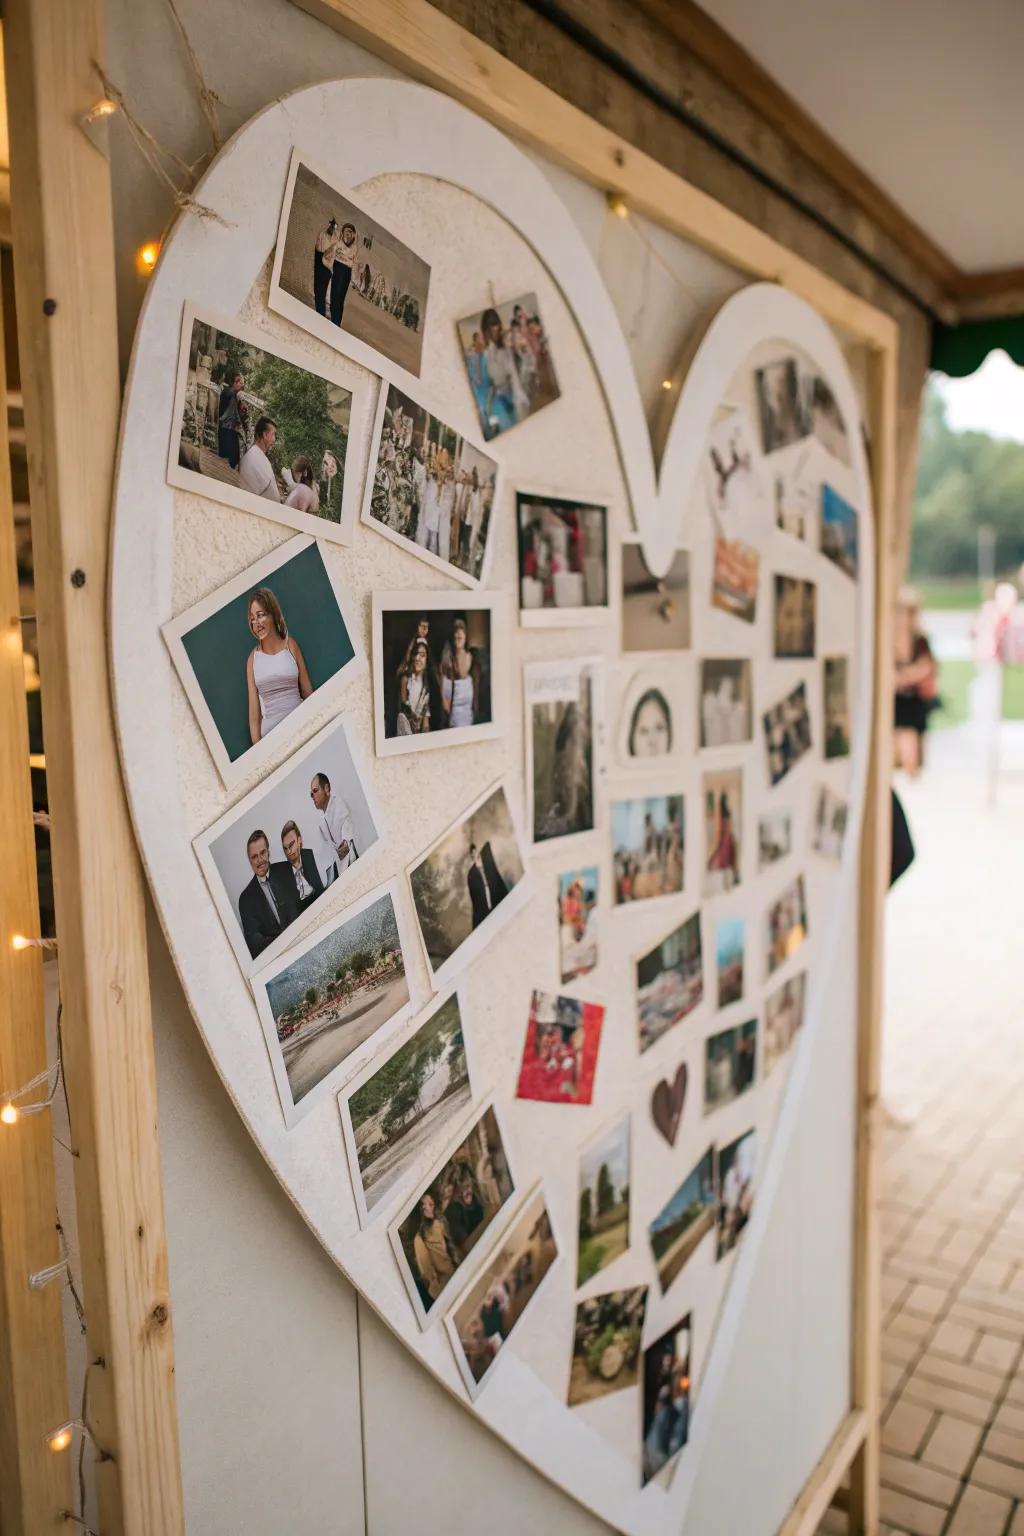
(460, 678)
(275, 672)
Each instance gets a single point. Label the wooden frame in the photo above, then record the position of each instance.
(50, 46)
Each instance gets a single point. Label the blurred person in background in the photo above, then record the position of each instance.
(916, 682)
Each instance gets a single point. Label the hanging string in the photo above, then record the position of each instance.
(208, 99)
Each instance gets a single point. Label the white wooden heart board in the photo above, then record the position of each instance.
(487, 220)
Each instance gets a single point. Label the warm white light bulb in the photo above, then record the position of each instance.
(19, 941)
(9, 1114)
(618, 205)
(666, 384)
(61, 1438)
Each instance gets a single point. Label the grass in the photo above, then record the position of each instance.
(951, 592)
(954, 684)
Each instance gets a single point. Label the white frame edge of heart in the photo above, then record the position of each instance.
(375, 127)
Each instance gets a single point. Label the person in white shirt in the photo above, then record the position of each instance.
(335, 848)
(344, 254)
(256, 471)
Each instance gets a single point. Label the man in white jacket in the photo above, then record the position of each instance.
(335, 840)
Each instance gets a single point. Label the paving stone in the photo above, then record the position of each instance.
(951, 1444)
(922, 1482)
(911, 1515)
(1010, 1419)
(956, 1373)
(905, 1427)
(997, 1353)
(936, 1394)
(980, 1513)
(927, 1300)
(1005, 1446)
(954, 1339)
(998, 1476)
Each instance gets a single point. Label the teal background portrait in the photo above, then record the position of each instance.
(218, 647)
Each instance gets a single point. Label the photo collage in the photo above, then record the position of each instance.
(431, 1139)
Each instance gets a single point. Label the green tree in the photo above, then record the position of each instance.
(300, 403)
(605, 1190)
(311, 996)
(586, 1213)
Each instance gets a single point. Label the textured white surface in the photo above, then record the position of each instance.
(406, 138)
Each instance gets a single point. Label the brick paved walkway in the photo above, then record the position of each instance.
(953, 1179)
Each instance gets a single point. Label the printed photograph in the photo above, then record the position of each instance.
(736, 1168)
(794, 617)
(577, 922)
(436, 1232)
(730, 1065)
(401, 1103)
(261, 430)
(734, 579)
(341, 275)
(251, 654)
(730, 943)
(559, 1062)
(677, 1230)
(837, 707)
(433, 664)
(725, 702)
(782, 405)
(563, 560)
(561, 747)
(783, 1017)
(722, 793)
(826, 418)
(774, 838)
(655, 609)
(647, 847)
(787, 733)
(646, 727)
(734, 481)
(829, 826)
(463, 888)
(797, 493)
(666, 1399)
(508, 362)
(839, 531)
(603, 1207)
(669, 982)
(322, 999)
(606, 1344)
(271, 858)
(486, 1314)
(787, 924)
(428, 489)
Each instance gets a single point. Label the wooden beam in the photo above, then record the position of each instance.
(990, 295)
(740, 71)
(819, 1490)
(429, 46)
(35, 1484)
(63, 234)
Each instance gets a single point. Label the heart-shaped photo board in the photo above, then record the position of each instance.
(500, 797)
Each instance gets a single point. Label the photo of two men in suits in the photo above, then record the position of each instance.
(279, 890)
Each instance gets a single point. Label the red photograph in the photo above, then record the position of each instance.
(560, 1054)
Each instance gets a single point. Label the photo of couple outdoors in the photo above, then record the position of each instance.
(255, 423)
(337, 260)
(453, 1212)
(336, 992)
(436, 670)
(509, 364)
(430, 487)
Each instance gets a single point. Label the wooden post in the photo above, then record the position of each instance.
(35, 1483)
(64, 255)
(876, 855)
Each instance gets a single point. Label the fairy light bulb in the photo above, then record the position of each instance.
(9, 1114)
(666, 384)
(146, 256)
(61, 1438)
(19, 941)
(618, 205)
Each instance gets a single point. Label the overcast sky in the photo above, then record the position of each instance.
(991, 400)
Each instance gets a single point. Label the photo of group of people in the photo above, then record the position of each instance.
(655, 609)
(606, 1344)
(438, 1230)
(603, 1201)
(730, 1064)
(433, 669)
(563, 559)
(722, 793)
(461, 885)
(559, 1062)
(787, 924)
(429, 489)
(669, 982)
(508, 363)
(271, 858)
(837, 707)
(251, 654)
(783, 405)
(787, 733)
(577, 922)
(391, 1111)
(322, 999)
(647, 847)
(259, 429)
(485, 1316)
(561, 748)
(666, 1398)
(339, 273)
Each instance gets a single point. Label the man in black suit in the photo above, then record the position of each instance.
(486, 885)
(302, 871)
(268, 903)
